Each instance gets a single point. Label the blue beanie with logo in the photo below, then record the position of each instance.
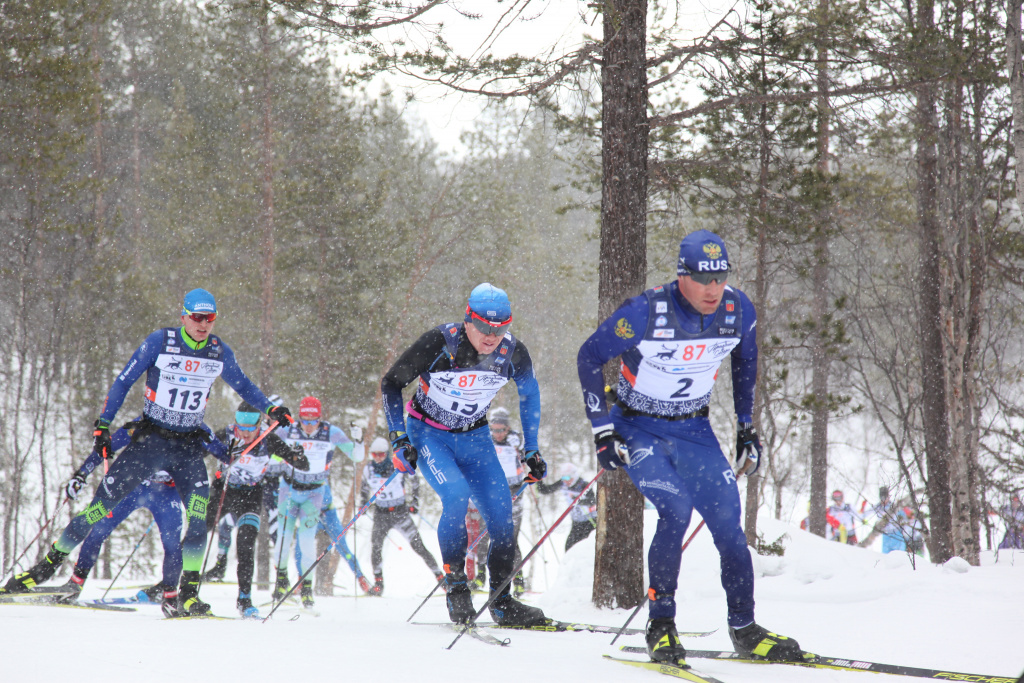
(198, 301)
(702, 252)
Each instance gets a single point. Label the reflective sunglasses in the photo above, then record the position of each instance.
(309, 423)
(485, 326)
(703, 278)
(202, 317)
(246, 428)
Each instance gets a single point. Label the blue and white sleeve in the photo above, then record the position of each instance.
(241, 383)
(143, 359)
(744, 363)
(529, 395)
(353, 451)
(623, 330)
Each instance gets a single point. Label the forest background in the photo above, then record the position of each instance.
(858, 158)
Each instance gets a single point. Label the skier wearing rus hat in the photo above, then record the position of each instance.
(180, 364)
(672, 340)
(460, 367)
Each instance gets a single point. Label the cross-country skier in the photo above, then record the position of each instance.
(584, 513)
(508, 444)
(672, 340)
(844, 514)
(244, 495)
(391, 508)
(460, 368)
(302, 494)
(158, 495)
(181, 365)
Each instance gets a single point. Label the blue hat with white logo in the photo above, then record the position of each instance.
(490, 303)
(199, 301)
(702, 252)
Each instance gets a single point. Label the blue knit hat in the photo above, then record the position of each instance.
(702, 252)
(199, 301)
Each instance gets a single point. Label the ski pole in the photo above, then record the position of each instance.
(41, 530)
(144, 534)
(508, 579)
(224, 492)
(637, 610)
(359, 514)
(468, 551)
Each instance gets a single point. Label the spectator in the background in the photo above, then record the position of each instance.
(1013, 516)
(584, 512)
(844, 520)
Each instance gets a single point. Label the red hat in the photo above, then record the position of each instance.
(309, 408)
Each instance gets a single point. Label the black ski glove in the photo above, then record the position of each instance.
(281, 415)
(612, 452)
(538, 468)
(75, 485)
(748, 449)
(403, 453)
(102, 443)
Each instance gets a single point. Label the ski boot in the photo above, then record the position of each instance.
(37, 574)
(189, 604)
(282, 585)
(378, 585)
(245, 608)
(507, 611)
(518, 585)
(459, 598)
(169, 603)
(307, 593)
(155, 593)
(757, 642)
(218, 570)
(479, 582)
(663, 642)
(74, 588)
(364, 585)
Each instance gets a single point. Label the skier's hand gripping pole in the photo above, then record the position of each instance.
(508, 579)
(362, 510)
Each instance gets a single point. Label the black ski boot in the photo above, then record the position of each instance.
(378, 585)
(518, 585)
(189, 604)
(155, 594)
(37, 574)
(169, 603)
(307, 593)
(663, 642)
(245, 608)
(218, 570)
(459, 598)
(757, 642)
(479, 582)
(74, 588)
(507, 611)
(282, 585)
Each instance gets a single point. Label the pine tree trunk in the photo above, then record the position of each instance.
(266, 216)
(933, 366)
(618, 566)
(1014, 55)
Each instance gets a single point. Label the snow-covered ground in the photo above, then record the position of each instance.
(834, 599)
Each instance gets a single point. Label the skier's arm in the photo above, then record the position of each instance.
(346, 445)
(237, 380)
(623, 330)
(293, 455)
(216, 447)
(120, 439)
(141, 360)
(416, 359)
(529, 394)
(744, 363)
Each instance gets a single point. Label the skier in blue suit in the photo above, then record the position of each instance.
(460, 368)
(181, 365)
(157, 494)
(672, 340)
